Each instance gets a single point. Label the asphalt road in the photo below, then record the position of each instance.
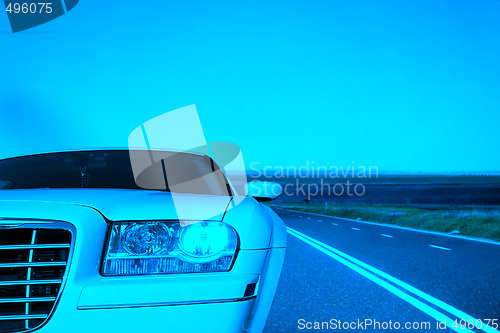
(346, 272)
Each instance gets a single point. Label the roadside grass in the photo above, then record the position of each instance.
(480, 221)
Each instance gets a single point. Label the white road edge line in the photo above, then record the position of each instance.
(439, 247)
(334, 223)
(355, 228)
(369, 272)
(385, 235)
(482, 240)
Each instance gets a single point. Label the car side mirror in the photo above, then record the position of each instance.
(263, 191)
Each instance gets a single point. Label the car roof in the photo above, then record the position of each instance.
(101, 149)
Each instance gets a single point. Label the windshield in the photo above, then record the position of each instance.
(112, 169)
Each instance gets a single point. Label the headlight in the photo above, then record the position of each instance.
(147, 238)
(169, 247)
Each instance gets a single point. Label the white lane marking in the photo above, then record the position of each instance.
(482, 240)
(389, 236)
(308, 218)
(355, 228)
(334, 223)
(365, 269)
(439, 247)
(320, 220)
(300, 216)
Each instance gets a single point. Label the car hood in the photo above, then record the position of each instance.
(122, 204)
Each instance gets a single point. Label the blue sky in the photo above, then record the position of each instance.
(403, 85)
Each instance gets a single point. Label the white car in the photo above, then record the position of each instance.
(83, 248)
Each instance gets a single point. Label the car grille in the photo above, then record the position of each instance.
(32, 266)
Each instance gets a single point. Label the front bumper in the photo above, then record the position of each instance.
(212, 302)
(215, 317)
